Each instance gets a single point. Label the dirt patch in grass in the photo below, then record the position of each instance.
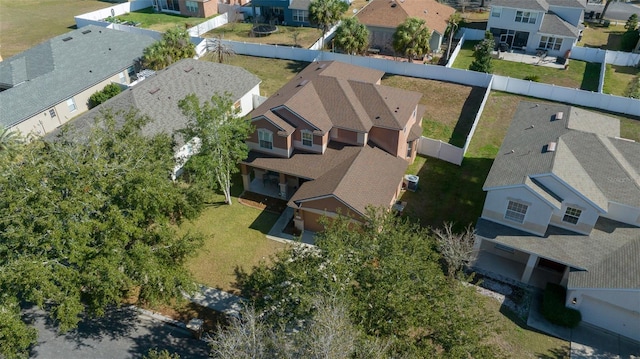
(451, 108)
(260, 201)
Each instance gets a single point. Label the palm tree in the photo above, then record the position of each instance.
(453, 21)
(175, 45)
(352, 36)
(411, 38)
(220, 50)
(10, 142)
(325, 13)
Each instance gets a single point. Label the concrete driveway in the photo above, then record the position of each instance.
(123, 333)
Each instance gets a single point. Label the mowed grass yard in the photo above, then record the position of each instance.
(162, 22)
(617, 78)
(579, 74)
(285, 36)
(26, 23)
(600, 37)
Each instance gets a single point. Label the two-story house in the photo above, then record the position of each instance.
(563, 206)
(283, 12)
(333, 140)
(50, 83)
(193, 8)
(530, 25)
(382, 17)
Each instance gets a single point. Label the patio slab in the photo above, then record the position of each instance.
(531, 59)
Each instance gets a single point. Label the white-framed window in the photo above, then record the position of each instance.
(265, 137)
(301, 15)
(516, 211)
(409, 148)
(496, 11)
(71, 104)
(526, 17)
(307, 138)
(192, 6)
(52, 112)
(572, 215)
(123, 78)
(550, 43)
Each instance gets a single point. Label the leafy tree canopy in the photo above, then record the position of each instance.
(221, 138)
(82, 222)
(326, 13)
(482, 55)
(390, 279)
(411, 38)
(175, 45)
(103, 95)
(632, 22)
(352, 36)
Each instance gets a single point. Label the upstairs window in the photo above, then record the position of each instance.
(52, 113)
(516, 211)
(572, 215)
(496, 11)
(71, 104)
(527, 17)
(265, 138)
(307, 138)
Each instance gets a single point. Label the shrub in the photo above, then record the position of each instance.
(554, 310)
(629, 40)
(107, 92)
(534, 78)
(633, 89)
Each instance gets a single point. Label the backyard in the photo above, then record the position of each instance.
(617, 79)
(160, 21)
(595, 35)
(579, 74)
(285, 35)
(26, 23)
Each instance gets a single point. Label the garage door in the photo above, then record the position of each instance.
(610, 317)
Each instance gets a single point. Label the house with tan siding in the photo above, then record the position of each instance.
(333, 141)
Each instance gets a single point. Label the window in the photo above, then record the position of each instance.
(52, 112)
(192, 6)
(550, 43)
(409, 148)
(496, 11)
(301, 15)
(307, 138)
(572, 215)
(266, 138)
(526, 17)
(516, 211)
(71, 105)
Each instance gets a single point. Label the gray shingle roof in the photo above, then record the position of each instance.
(56, 70)
(566, 3)
(554, 25)
(158, 95)
(610, 254)
(537, 5)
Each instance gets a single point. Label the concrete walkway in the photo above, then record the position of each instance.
(587, 341)
(218, 300)
(276, 232)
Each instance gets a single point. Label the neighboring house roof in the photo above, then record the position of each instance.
(336, 94)
(299, 4)
(554, 25)
(537, 5)
(588, 156)
(369, 178)
(610, 254)
(158, 95)
(567, 3)
(62, 67)
(390, 14)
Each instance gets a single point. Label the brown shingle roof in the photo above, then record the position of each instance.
(370, 178)
(382, 13)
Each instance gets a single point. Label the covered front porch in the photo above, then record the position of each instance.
(511, 265)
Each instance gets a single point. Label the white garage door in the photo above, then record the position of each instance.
(610, 317)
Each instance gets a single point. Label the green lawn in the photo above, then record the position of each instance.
(602, 37)
(617, 78)
(159, 21)
(26, 23)
(274, 73)
(579, 74)
(286, 35)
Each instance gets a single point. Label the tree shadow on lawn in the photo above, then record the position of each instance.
(296, 66)
(467, 116)
(591, 77)
(448, 193)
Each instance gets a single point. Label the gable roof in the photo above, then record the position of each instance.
(158, 95)
(357, 181)
(62, 67)
(391, 13)
(536, 5)
(552, 24)
(335, 94)
(601, 167)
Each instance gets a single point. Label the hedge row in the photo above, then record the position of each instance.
(554, 310)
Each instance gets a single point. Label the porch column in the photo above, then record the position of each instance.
(298, 221)
(246, 180)
(565, 276)
(528, 270)
(283, 185)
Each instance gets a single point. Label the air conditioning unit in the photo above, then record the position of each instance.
(411, 182)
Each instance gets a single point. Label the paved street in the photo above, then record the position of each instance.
(122, 334)
(616, 11)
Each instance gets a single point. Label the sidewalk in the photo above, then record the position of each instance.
(587, 341)
(218, 300)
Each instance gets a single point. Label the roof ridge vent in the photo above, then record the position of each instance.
(188, 69)
(303, 82)
(67, 39)
(154, 90)
(551, 146)
(559, 115)
(86, 32)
